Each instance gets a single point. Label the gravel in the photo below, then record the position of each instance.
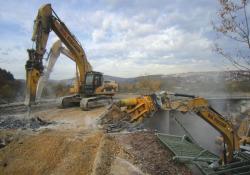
(13, 122)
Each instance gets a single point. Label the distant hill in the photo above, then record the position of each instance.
(106, 77)
(199, 83)
(119, 80)
(209, 83)
(190, 77)
(213, 82)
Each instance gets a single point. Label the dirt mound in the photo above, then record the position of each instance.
(51, 153)
(115, 120)
(114, 115)
(6, 137)
(67, 152)
(108, 150)
(73, 148)
(12, 122)
(145, 151)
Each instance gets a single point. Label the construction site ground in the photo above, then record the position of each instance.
(70, 141)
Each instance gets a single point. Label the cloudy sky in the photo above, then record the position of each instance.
(121, 38)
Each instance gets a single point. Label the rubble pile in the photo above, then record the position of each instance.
(145, 151)
(13, 122)
(74, 147)
(114, 115)
(114, 120)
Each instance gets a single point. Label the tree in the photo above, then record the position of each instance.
(147, 84)
(233, 23)
(5, 76)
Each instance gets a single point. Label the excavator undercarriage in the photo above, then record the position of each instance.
(86, 103)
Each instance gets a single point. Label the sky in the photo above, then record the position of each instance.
(121, 38)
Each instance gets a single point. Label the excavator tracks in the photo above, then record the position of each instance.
(94, 102)
(86, 103)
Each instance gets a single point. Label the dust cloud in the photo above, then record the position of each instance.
(90, 122)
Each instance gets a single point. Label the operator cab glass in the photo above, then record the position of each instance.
(93, 80)
(97, 80)
(89, 79)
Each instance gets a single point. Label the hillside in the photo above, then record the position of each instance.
(199, 83)
(10, 88)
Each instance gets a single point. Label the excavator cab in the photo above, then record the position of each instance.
(93, 80)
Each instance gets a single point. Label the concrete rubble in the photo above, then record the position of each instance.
(71, 141)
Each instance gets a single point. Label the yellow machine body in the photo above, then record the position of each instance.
(140, 107)
(32, 77)
(45, 22)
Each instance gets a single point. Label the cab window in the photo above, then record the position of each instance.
(89, 79)
(97, 81)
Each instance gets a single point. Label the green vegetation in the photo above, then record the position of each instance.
(206, 84)
(55, 89)
(145, 84)
(10, 89)
(242, 86)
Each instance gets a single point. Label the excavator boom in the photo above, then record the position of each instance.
(53, 55)
(89, 86)
(140, 107)
(45, 22)
(201, 107)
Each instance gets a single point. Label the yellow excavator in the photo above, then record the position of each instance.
(90, 90)
(54, 53)
(140, 107)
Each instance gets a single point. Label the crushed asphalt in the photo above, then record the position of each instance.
(13, 122)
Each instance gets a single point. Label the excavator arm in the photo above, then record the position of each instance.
(45, 22)
(201, 107)
(140, 107)
(53, 55)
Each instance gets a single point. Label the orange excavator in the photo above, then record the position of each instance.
(140, 107)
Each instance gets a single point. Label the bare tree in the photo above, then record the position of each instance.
(233, 23)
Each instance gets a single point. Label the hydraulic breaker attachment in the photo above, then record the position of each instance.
(34, 68)
(139, 107)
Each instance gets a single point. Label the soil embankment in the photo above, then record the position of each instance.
(72, 142)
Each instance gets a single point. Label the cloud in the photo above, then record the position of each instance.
(98, 35)
(121, 38)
